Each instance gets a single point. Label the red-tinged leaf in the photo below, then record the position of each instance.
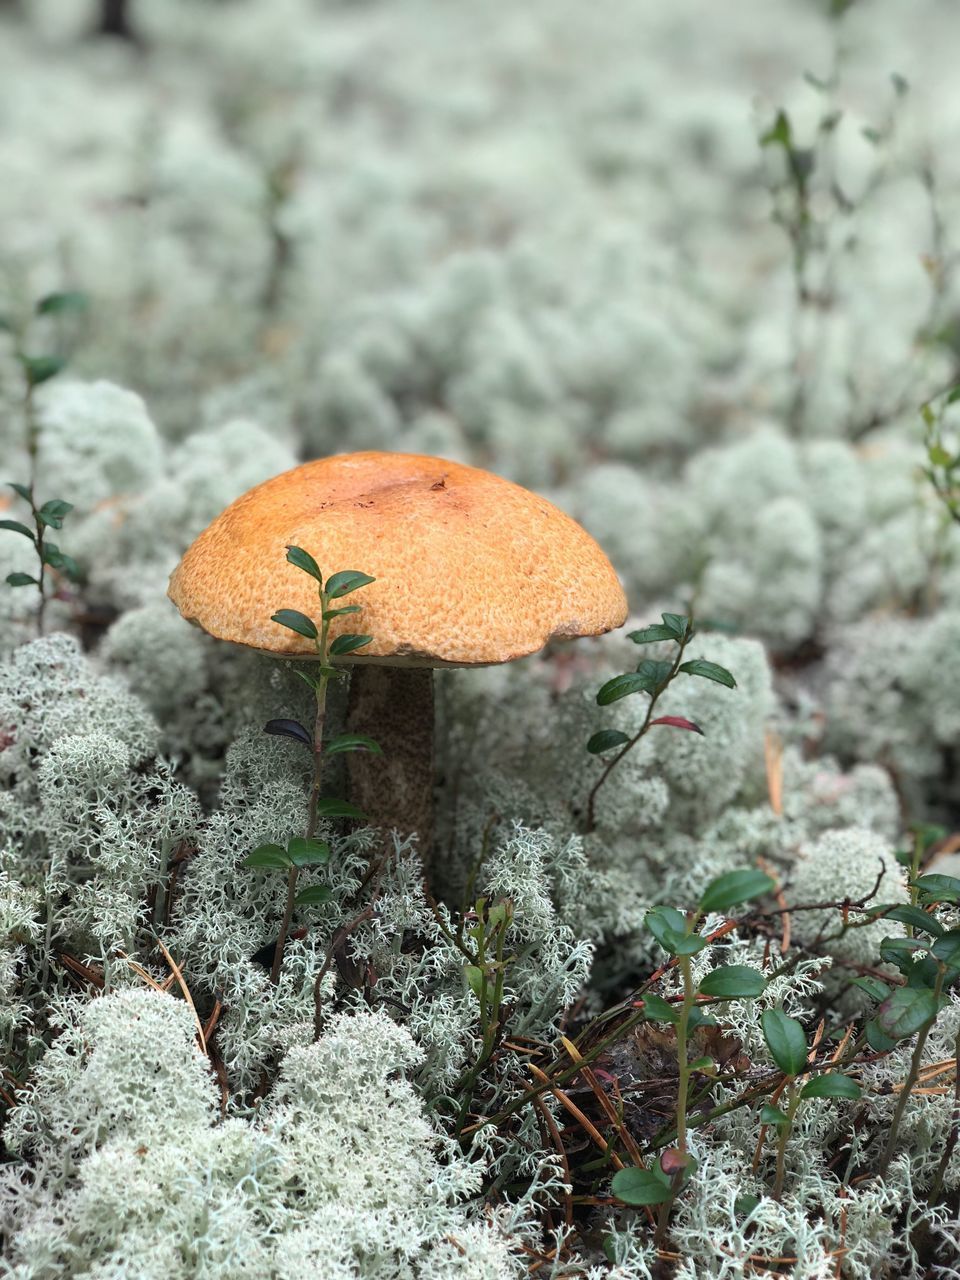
(678, 722)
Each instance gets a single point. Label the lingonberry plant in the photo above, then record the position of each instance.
(942, 444)
(308, 851)
(652, 677)
(678, 934)
(35, 370)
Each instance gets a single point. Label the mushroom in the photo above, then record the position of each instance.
(470, 570)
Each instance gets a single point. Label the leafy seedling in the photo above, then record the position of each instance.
(651, 677)
(307, 851)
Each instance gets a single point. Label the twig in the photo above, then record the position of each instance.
(586, 1123)
(557, 1141)
(186, 992)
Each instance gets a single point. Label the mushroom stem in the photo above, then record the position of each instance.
(393, 705)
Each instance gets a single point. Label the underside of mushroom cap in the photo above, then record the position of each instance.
(470, 569)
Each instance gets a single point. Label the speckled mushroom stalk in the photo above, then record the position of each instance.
(394, 705)
(469, 569)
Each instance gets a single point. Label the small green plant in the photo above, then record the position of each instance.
(50, 514)
(484, 973)
(678, 934)
(816, 208)
(787, 1042)
(652, 677)
(928, 965)
(942, 467)
(308, 851)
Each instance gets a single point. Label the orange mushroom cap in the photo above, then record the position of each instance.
(470, 569)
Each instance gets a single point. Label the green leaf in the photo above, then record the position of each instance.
(744, 1205)
(329, 614)
(833, 1085)
(929, 834)
(667, 925)
(308, 853)
(621, 687)
(906, 1011)
(939, 456)
(673, 918)
(651, 634)
(904, 913)
(900, 951)
(57, 559)
(474, 977)
(70, 569)
(16, 527)
(769, 1114)
(339, 809)
(709, 671)
(706, 1066)
(779, 134)
(499, 915)
(293, 620)
(936, 888)
(268, 856)
(311, 680)
(659, 1010)
(606, 740)
(21, 490)
(655, 672)
(923, 973)
(876, 1039)
(786, 1040)
(352, 742)
(735, 887)
(60, 303)
(304, 560)
(947, 948)
(347, 580)
(347, 644)
(677, 623)
(313, 896)
(874, 988)
(699, 1017)
(734, 982)
(689, 945)
(641, 1187)
(38, 369)
(21, 580)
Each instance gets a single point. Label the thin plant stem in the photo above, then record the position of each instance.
(312, 819)
(284, 926)
(682, 1062)
(907, 1087)
(785, 1132)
